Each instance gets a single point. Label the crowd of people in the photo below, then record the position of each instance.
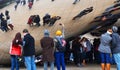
(47, 19)
(107, 18)
(52, 50)
(23, 2)
(5, 21)
(82, 49)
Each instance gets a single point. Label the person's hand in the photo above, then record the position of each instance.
(61, 24)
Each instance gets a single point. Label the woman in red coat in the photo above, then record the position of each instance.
(15, 51)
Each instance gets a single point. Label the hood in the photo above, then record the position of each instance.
(46, 33)
(114, 29)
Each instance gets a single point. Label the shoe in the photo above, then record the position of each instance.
(74, 3)
(73, 19)
(79, 65)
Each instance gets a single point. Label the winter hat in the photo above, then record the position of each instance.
(114, 29)
(58, 32)
(46, 32)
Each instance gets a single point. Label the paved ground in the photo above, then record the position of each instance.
(69, 67)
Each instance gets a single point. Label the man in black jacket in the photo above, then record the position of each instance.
(29, 50)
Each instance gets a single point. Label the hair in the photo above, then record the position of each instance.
(25, 31)
(84, 39)
(17, 37)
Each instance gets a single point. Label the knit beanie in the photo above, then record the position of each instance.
(46, 33)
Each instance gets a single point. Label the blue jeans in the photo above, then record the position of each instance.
(105, 57)
(117, 60)
(46, 65)
(14, 62)
(59, 60)
(29, 62)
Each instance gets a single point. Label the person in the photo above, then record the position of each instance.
(7, 13)
(16, 5)
(37, 20)
(46, 19)
(29, 50)
(23, 2)
(84, 45)
(89, 51)
(96, 54)
(52, 0)
(4, 26)
(75, 1)
(116, 46)
(77, 52)
(15, 51)
(84, 12)
(59, 55)
(31, 20)
(47, 44)
(54, 19)
(30, 4)
(9, 22)
(104, 49)
(1, 15)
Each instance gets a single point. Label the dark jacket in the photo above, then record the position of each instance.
(115, 43)
(28, 45)
(47, 45)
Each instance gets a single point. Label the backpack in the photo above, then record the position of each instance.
(60, 47)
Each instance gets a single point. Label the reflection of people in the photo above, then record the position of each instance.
(75, 1)
(84, 12)
(29, 50)
(104, 49)
(54, 19)
(47, 45)
(15, 51)
(46, 19)
(116, 46)
(9, 22)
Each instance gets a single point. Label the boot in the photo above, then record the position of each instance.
(108, 66)
(103, 66)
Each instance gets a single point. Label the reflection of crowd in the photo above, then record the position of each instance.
(34, 19)
(23, 2)
(107, 17)
(82, 49)
(5, 23)
(47, 19)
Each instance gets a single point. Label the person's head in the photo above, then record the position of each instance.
(115, 29)
(46, 33)
(91, 7)
(17, 37)
(83, 39)
(25, 31)
(46, 14)
(109, 31)
(8, 17)
(58, 33)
